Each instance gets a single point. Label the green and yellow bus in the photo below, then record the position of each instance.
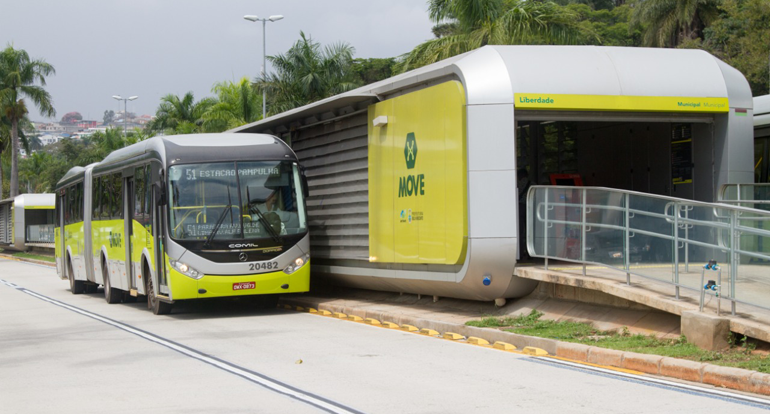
(224, 213)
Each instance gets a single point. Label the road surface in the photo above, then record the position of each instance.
(69, 353)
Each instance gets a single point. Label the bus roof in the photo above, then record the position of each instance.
(183, 149)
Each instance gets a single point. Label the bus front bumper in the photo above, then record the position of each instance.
(214, 286)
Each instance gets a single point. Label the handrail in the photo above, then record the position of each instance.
(671, 235)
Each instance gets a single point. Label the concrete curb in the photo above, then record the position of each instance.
(715, 375)
(24, 259)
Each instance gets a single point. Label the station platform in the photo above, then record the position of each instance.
(609, 286)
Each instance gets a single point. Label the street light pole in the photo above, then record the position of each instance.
(253, 18)
(125, 105)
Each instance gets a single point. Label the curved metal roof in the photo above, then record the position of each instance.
(492, 74)
(762, 110)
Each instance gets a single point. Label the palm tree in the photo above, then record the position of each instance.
(476, 23)
(307, 73)
(180, 116)
(31, 170)
(238, 104)
(668, 23)
(18, 74)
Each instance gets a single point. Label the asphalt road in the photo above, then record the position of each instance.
(69, 353)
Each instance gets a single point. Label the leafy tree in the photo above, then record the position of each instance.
(18, 75)
(71, 118)
(669, 23)
(180, 115)
(593, 4)
(493, 22)
(109, 117)
(31, 171)
(237, 104)
(308, 73)
(611, 26)
(740, 38)
(373, 70)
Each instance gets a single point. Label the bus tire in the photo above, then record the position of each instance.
(76, 286)
(154, 304)
(110, 295)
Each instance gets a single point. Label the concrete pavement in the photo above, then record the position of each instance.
(54, 358)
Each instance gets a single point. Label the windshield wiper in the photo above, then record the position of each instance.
(221, 219)
(266, 224)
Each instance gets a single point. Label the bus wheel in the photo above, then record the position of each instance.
(153, 303)
(110, 295)
(76, 286)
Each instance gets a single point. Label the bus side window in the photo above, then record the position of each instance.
(107, 192)
(80, 205)
(117, 206)
(139, 187)
(95, 199)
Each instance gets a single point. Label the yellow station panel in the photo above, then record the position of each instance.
(564, 102)
(418, 177)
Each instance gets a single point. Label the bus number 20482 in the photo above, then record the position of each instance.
(263, 266)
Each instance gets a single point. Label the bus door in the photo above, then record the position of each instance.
(128, 223)
(61, 263)
(158, 227)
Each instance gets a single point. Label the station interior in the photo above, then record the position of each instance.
(670, 158)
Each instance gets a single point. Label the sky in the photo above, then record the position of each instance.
(151, 48)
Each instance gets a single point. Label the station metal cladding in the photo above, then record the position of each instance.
(413, 179)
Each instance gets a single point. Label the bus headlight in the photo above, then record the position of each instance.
(186, 269)
(296, 264)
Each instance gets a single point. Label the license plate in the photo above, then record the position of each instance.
(244, 285)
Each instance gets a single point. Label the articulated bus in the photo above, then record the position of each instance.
(186, 217)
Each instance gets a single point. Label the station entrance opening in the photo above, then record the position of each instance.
(663, 156)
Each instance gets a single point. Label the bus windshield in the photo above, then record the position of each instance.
(235, 201)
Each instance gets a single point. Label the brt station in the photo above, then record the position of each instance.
(421, 183)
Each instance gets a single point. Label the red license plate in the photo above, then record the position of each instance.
(244, 285)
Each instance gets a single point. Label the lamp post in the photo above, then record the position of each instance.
(253, 18)
(125, 114)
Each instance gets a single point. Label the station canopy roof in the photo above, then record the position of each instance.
(762, 110)
(493, 74)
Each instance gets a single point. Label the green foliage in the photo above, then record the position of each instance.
(740, 38)
(44, 168)
(495, 22)
(19, 79)
(607, 27)
(669, 23)
(739, 355)
(177, 115)
(373, 70)
(237, 104)
(308, 73)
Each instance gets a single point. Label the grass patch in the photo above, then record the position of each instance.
(741, 353)
(24, 255)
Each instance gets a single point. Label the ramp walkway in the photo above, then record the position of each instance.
(670, 254)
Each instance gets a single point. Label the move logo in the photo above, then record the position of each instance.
(411, 185)
(410, 150)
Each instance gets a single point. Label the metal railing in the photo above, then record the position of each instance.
(746, 195)
(654, 237)
(41, 233)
